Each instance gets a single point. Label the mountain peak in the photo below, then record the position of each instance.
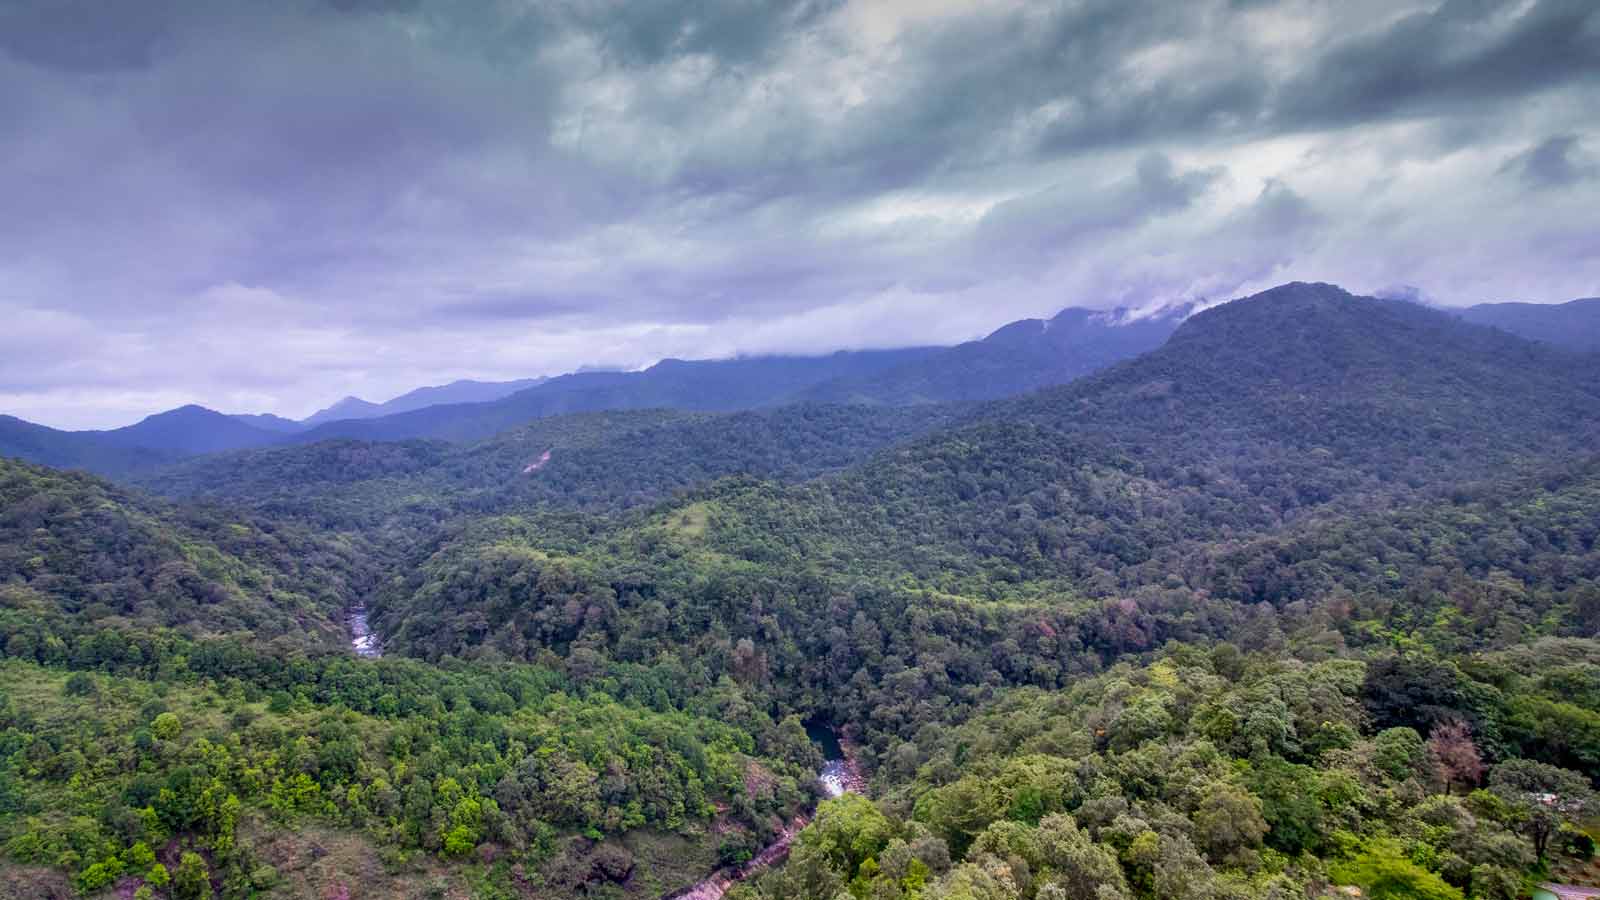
(1298, 307)
(1300, 292)
(188, 429)
(189, 412)
(350, 407)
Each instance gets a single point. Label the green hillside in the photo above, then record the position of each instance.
(1303, 600)
(75, 545)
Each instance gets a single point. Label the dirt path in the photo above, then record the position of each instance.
(537, 464)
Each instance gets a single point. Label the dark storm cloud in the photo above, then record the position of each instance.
(735, 31)
(83, 35)
(272, 205)
(1067, 213)
(1458, 53)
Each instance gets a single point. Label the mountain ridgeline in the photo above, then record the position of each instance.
(1019, 357)
(462, 391)
(1574, 325)
(1022, 356)
(1294, 594)
(698, 385)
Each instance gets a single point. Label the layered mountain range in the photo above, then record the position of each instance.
(1019, 357)
(1231, 603)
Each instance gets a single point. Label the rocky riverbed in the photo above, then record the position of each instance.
(840, 775)
(362, 640)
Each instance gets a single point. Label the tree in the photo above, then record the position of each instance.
(1398, 752)
(1547, 796)
(1450, 744)
(166, 726)
(957, 811)
(1078, 865)
(192, 881)
(80, 684)
(1229, 821)
(848, 831)
(1289, 803)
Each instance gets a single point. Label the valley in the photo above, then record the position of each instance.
(800, 450)
(1281, 594)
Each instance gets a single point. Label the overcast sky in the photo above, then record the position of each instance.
(265, 206)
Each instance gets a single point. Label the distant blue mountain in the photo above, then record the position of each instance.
(269, 422)
(463, 391)
(1023, 356)
(1574, 325)
(702, 385)
(188, 430)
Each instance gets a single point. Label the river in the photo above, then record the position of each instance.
(362, 639)
(839, 775)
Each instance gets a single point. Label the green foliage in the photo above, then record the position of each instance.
(1176, 812)
(1251, 610)
(848, 831)
(158, 875)
(1399, 752)
(1386, 874)
(1547, 797)
(72, 544)
(165, 726)
(420, 757)
(80, 684)
(192, 881)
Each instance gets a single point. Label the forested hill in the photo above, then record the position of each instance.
(1252, 415)
(1180, 630)
(73, 450)
(1304, 597)
(444, 414)
(462, 391)
(1296, 407)
(598, 462)
(151, 442)
(72, 544)
(188, 429)
(1314, 366)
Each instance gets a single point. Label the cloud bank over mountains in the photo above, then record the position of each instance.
(267, 206)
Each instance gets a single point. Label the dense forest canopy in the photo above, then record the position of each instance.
(1305, 598)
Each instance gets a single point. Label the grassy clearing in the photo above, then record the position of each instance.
(690, 521)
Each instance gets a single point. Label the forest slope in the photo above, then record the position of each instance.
(1254, 414)
(1118, 509)
(72, 543)
(598, 462)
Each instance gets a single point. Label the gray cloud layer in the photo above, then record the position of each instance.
(266, 206)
